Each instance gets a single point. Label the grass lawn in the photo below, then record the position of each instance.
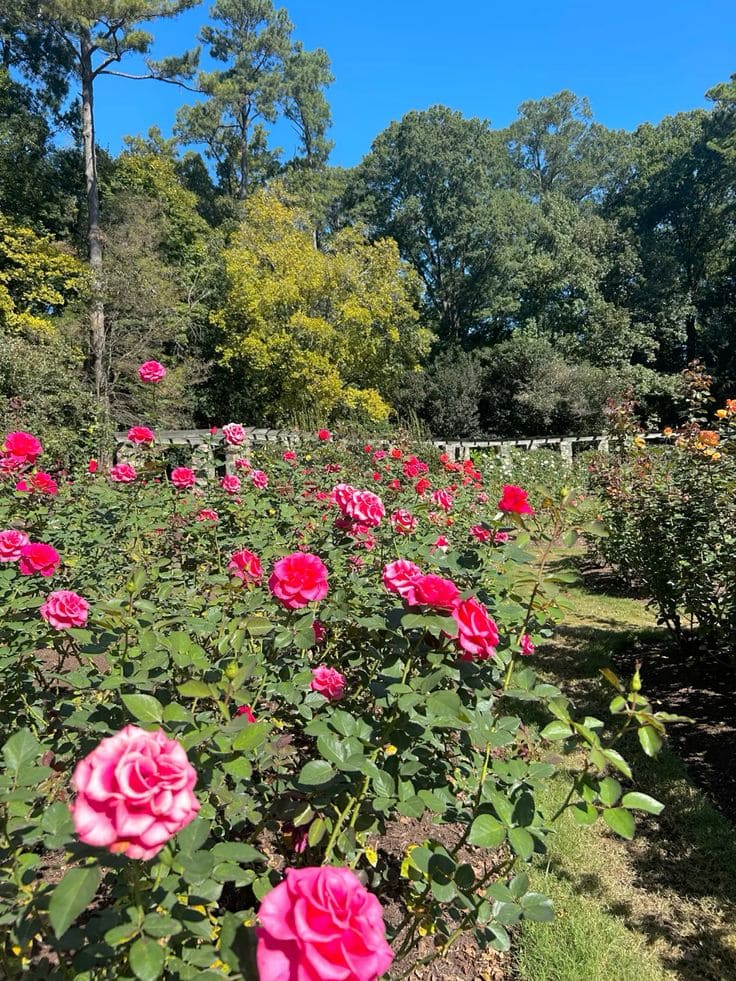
(662, 906)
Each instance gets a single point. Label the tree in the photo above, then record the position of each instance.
(439, 184)
(96, 36)
(266, 75)
(310, 332)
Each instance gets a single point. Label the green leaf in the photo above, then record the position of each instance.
(522, 843)
(72, 896)
(609, 791)
(237, 851)
(584, 814)
(146, 959)
(316, 772)
(253, 735)
(556, 730)
(537, 908)
(195, 689)
(642, 802)
(487, 832)
(650, 739)
(20, 749)
(620, 821)
(144, 708)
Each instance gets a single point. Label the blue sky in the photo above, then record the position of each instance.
(636, 60)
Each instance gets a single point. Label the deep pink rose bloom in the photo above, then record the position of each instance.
(259, 479)
(477, 633)
(328, 682)
(22, 486)
(64, 609)
(247, 711)
(36, 558)
(246, 566)
(11, 543)
(501, 537)
(527, 646)
(481, 533)
(141, 436)
(299, 579)
(152, 372)
(433, 591)
(422, 486)
(289, 456)
(342, 494)
(123, 473)
(22, 447)
(443, 499)
(92, 466)
(514, 500)
(324, 434)
(403, 522)
(234, 433)
(440, 543)
(321, 924)
(134, 793)
(400, 576)
(43, 483)
(320, 632)
(230, 484)
(183, 478)
(365, 507)
(208, 514)
(379, 455)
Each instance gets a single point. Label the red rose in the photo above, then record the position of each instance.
(481, 533)
(247, 711)
(299, 579)
(403, 522)
(141, 436)
(435, 592)
(514, 500)
(38, 558)
(477, 633)
(324, 434)
(92, 466)
(208, 514)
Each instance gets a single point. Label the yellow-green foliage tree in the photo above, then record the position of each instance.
(315, 333)
(36, 279)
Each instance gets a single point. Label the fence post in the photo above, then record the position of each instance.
(566, 450)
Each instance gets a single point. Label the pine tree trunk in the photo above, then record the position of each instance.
(94, 232)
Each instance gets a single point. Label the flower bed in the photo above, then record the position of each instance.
(215, 699)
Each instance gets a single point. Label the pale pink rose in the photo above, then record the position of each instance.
(141, 436)
(234, 433)
(230, 484)
(246, 566)
(434, 592)
(134, 793)
(321, 924)
(37, 558)
(208, 514)
(477, 633)
(63, 609)
(482, 498)
(400, 576)
(123, 473)
(403, 522)
(21, 448)
(259, 479)
(151, 372)
(183, 478)
(11, 543)
(299, 579)
(328, 682)
(527, 646)
(366, 508)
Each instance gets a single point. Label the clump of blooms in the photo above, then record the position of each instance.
(64, 609)
(321, 924)
(246, 566)
(38, 559)
(134, 792)
(151, 372)
(234, 433)
(183, 478)
(514, 500)
(299, 579)
(328, 682)
(123, 473)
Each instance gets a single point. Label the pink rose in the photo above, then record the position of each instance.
(247, 711)
(43, 483)
(259, 479)
(22, 447)
(527, 646)
(321, 924)
(342, 494)
(403, 522)
(440, 543)
(234, 433)
(36, 558)
(246, 566)
(328, 682)
(433, 591)
(379, 455)
(151, 372)
(324, 434)
(141, 436)
(289, 456)
(11, 543)
(240, 463)
(482, 498)
(320, 632)
(134, 793)
(299, 579)
(477, 633)
(208, 514)
(64, 609)
(123, 473)
(443, 499)
(183, 478)
(514, 500)
(366, 508)
(400, 576)
(230, 484)
(481, 533)
(501, 537)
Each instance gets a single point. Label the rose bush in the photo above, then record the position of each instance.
(204, 752)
